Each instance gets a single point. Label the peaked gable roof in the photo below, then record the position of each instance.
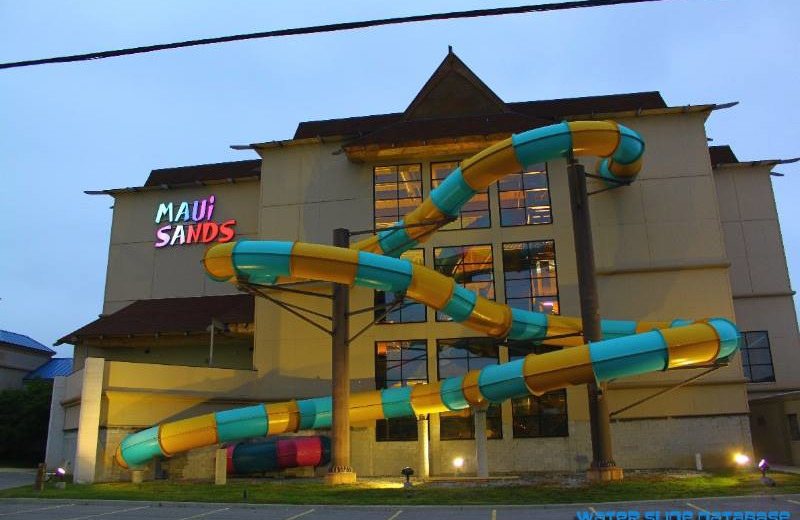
(453, 90)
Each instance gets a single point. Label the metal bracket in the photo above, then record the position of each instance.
(284, 288)
(372, 231)
(394, 306)
(255, 291)
(666, 390)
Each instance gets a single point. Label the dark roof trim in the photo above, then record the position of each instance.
(204, 172)
(167, 315)
(137, 189)
(722, 156)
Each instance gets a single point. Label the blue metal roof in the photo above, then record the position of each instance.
(23, 341)
(54, 367)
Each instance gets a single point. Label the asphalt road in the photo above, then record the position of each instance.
(28, 509)
(13, 477)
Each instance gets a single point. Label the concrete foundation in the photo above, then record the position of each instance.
(337, 479)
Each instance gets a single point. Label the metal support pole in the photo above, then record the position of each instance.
(211, 345)
(603, 466)
(340, 472)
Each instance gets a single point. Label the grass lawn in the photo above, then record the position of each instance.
(378, 492)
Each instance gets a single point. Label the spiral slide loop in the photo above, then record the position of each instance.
(629, 347)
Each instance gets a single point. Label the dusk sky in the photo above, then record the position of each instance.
(67, 128)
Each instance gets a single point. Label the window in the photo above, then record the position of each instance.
(794, 429)
(398, 190)
(399, 363)
(525, 198)
(456, 357)
(409, 311)
(529, 269)
(538, 416)
(756, 357)
(475, 213)
(470, 266)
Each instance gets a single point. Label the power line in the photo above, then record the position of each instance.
(347, 26)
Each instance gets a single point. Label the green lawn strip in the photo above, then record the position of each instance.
(305, 492)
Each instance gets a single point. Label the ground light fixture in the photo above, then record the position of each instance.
(458, 463)
(407, 472)
(741, 459)
(764, 466)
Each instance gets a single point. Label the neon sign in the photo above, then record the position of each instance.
(191, 224)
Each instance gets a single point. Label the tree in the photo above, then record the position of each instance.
(23, 429)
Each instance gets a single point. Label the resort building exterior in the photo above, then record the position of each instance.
(696, 236)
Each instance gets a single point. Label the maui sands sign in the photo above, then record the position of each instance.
(191, 223)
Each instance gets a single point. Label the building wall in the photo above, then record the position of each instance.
(759, 273)
(16, 362)
(137, 270)
(194, 350)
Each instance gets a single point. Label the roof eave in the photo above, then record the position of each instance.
(164, 187)
(293, 142)
(754, 164)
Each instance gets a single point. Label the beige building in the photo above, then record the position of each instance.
(23, 358)
(666, 247)
(763, 301)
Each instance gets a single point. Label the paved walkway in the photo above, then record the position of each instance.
(32, 509)
(786, 469)
(15, 477)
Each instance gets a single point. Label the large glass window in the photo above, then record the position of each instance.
(529, 269)
(470, 266)
(756, 357)
(397, 190)
(525, 198)
(538, 416)
(456, 357)
(475, 213)
(399, 363)
(409, 311)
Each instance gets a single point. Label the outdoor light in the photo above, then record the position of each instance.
(741, 459)
(764, 466)
(407, 472)
(458, 463)
(61, 472)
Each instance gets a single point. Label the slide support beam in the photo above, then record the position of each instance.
(603, 467)
(340, 471)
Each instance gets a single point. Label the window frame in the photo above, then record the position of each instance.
(794, 427)
(537, 349)
(557, 295)
(549, 194)
(494, 406)
(374, 192)
(459, 219)
(382, 425)
(494, 279)
(377, 312)
(745, 357)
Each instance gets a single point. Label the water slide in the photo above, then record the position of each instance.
(628, 347)
(278, 454)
